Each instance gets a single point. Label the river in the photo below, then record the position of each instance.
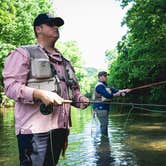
(135, 139)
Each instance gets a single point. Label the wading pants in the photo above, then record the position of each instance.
(41, 149)
(102, 115)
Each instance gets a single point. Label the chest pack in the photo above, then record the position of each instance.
(44, 76)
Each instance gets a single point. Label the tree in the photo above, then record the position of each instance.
(141, 53)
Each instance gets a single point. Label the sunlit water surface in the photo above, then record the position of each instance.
(135, 140)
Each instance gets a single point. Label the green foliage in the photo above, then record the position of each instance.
(141, 53)
(4, 51)
(7, 14)
(17, 28)
(110, 56)
(90, 79)
(70, 51)
(5, 101)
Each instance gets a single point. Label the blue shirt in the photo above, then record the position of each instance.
(101, 89)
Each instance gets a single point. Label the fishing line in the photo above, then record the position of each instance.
(150, 110)
(136, 60)
(47, 109)
(148, 60)
(94, 120)
(125, 124)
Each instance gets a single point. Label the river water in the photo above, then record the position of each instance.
(135, 139)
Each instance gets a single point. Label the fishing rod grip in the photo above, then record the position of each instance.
(67, 101)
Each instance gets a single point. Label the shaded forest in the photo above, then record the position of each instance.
(141, 54)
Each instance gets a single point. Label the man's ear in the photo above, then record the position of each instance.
(38, 29)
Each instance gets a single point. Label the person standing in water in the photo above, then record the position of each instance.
(104, 93)
(39, 75)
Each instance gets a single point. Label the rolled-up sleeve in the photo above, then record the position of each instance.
(15, 74)
(77, 95)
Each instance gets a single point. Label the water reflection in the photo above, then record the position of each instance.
(141, 143)
(101, 145)
(8, 144)
(103, 152)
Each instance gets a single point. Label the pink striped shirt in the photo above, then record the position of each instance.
(28, 118)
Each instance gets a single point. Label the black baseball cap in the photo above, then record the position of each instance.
(102, 73)
(46, 18)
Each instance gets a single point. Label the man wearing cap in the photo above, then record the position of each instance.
(104, 93)
(38, 78)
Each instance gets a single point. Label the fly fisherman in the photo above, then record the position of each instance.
(104, 93)
(39, 79)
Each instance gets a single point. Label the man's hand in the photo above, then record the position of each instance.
(117, 93)
(47, 97)
(84, 102)
(125, 90)
(122, 92)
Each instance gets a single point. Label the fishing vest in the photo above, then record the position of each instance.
(44, 76)
(97, 96)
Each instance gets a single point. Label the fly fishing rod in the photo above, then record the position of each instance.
(47, 109)
(110, 102)
(148, 85)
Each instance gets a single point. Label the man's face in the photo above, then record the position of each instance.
(48, 31)
(103, 78)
